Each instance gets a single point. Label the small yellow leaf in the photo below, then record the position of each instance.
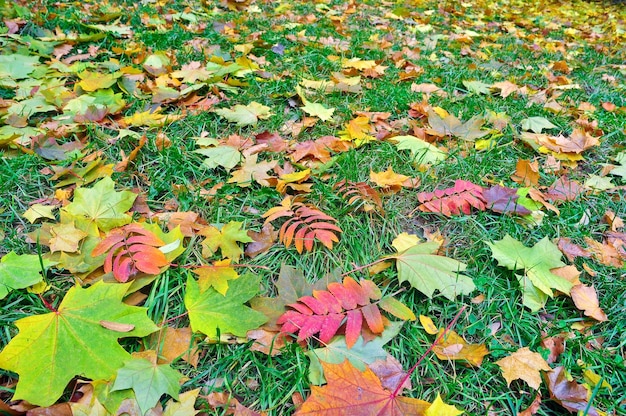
(594, 379)
(387, 178)
(37, 211)
(429, 325)
(404, 241)
(439, 408)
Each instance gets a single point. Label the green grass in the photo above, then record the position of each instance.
(172, 178)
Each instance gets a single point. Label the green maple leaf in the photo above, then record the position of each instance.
(17, 66)
(426, 271)
(212, 313)
(226, 156)
(19, 272)
(536, 262)
(101, 206)
(225, 239)
(537, 124)
(318, 110)
(245, 115)
(422, 152)
(51, 349)
(148, 380)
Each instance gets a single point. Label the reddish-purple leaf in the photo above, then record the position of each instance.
(504, 200)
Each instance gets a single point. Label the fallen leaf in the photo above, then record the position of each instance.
(355, 393)
(523, 364)
(439, 408)
(504, 200)
(245, 115)
(216, 276)
(568, 393)
(526, 172)
(453, 347)
(556, 346)
(537, 124)
(586, 299)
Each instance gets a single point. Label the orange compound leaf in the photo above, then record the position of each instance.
(344, 308)
(305, 225)
(351, 392)
(361, 196)
(131, 249)
(453, 201)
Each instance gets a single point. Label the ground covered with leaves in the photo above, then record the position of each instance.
(257, 207)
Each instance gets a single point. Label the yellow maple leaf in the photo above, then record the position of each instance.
(439, 408)
(387, 178)
(357, 131)
(216, 276)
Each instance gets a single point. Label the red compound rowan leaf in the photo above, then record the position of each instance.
(131, 249)
(305, 225)
(453, 201)
(349, 303)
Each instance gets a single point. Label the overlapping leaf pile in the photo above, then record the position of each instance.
(95, 334)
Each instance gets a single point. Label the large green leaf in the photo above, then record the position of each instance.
(51, 349)
(148, 380)
(101, 206)
(536, 262)
(211, 312)
(19, 272)
(428, 272)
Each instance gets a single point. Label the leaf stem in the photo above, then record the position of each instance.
(365, 266)
(439, 338)
(47, 304)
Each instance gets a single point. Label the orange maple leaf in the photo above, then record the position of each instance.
(354, 393)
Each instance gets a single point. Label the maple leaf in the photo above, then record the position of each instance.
(477, 87)
(226, 156)
(351, 392)
(262, 241)
(568, 393)
(212, 313)
(327, 310)
(305, 225)
(451, 346)
(216, 276)
(251, 170)
(148, 381)
(65, 237)
(358, 131)
(422, 152)
(51, 349)
(501, 199)
(453, 201)
(537, 124)
(427, 272)
(526, 172)
(20, 271)
(621, 169)
(185, 406)
(523, 364)
(388, 178)
(175, 343)
(225, 239)
(101, 206)
(452, 126)
(360, 355)
(536, 262)
(245, 115)
(586, 299)
(439, 408)
(36, 211)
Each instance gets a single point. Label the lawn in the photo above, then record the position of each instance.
(256, 207)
